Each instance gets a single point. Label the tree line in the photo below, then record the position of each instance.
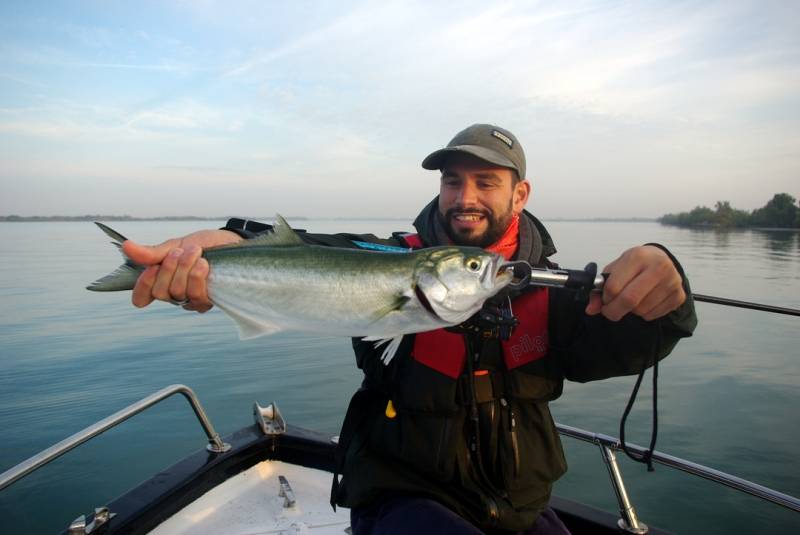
(782, 211)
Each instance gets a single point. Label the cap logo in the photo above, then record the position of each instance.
(504, 138)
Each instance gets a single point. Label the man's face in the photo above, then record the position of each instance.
(477, 200)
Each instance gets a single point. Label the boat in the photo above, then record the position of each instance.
(274, 478)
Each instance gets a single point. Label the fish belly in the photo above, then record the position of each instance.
(313, 290)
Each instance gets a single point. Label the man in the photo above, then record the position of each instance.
(455, 434)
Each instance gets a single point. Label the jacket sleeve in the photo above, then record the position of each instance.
(248, 229)
(590, 348)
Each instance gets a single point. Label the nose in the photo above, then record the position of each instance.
(468, 194)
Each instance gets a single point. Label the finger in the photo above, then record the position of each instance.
(177, 288)
(165, 273)
(142, 291)
(197, 286)
(631, 295)
(670, 303)
(666, 291)
(148, 255)
(661, 310)
(595, 304)
(202, 309)
(620, 275)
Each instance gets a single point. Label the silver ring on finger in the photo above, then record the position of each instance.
(179, 303)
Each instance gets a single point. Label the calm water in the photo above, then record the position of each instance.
(728, 397)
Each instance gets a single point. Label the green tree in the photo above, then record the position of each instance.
(727, 216)
(781, 212)
(700, 215)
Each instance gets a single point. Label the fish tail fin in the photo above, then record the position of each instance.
(122, 278)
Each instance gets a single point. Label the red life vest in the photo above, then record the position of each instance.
(445, 351)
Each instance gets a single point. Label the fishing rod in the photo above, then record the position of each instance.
(588, 280)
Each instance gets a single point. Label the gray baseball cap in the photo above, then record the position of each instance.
(488, 142)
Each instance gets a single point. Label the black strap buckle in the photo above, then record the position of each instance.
(497, 319)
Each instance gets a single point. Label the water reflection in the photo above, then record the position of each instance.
(89, 354)
(712, 237)
(779, 241)
(758, 244)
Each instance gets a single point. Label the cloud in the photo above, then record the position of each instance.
(606, 97)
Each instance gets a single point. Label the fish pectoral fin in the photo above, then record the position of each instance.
(249, 326)
(393, 344)
(394, 306)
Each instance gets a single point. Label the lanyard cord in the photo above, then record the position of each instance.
(646, 457)
(474, 418)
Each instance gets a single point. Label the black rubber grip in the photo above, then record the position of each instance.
(582, 279)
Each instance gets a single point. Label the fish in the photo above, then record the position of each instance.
(277, 282)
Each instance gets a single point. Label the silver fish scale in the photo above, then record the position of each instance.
(276, 282)
(336, 291)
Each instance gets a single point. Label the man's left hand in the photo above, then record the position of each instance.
(643, 281)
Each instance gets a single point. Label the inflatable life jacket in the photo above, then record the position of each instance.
(445, 351)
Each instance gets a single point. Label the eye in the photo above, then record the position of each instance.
(473, 264)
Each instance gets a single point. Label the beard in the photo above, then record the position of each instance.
(496, 226)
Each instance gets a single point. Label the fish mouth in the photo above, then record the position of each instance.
(518, 272)
(497, 274)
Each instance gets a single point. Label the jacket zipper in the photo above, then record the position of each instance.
(494, 512)
(440, 457)
(513, 433)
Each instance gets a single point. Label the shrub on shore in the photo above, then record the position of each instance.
(781, 211)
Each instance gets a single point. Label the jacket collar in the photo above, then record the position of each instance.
(535, 243)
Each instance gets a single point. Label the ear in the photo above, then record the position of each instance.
(522, 191)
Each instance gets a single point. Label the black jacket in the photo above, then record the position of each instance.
(452, 444)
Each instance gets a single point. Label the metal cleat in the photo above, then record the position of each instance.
(285, 491)
(101, 517)
(78, 526)
(269, 419)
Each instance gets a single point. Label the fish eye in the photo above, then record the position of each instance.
(473, 264)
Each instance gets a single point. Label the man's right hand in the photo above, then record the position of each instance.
(175, 270)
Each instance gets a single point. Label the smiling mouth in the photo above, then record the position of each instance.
(468, 217)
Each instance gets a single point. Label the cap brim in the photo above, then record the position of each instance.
(435, 160)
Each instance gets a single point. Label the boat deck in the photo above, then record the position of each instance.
(250, 503)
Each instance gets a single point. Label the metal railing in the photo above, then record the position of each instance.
(215, 445)
(608, 445)
(629, 521)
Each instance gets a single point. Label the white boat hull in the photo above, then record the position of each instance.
(249, 504)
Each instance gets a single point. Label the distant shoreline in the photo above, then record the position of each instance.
(722, 228)
(91, 218)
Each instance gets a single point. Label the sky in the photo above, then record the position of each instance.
(327, 108)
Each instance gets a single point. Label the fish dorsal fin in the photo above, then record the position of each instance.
(282, 235)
